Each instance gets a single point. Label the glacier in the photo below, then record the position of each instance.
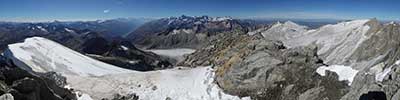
(42, 55)
(96, 80)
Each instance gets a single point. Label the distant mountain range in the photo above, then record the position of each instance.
(88, 38)
(184, 31)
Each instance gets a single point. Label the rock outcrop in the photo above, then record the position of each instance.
(266, 69)
(382, 51)
(249, 65)
(18, 84)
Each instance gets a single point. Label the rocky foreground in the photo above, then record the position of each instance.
(19, 84)
(347, 61)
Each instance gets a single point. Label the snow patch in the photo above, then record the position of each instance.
(381, 72)
(344, 72)
(177, 31)
(41, 28)
(124, 48)
(68, 30)
(82, 96)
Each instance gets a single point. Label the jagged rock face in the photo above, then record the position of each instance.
(266, 70)
(382, 41)
(382, 50)
(24, 85)
(365, 45)
(207, 55)
(182, 32)
(368, 46)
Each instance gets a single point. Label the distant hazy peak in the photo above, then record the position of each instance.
(289, 24)
(393, 23)
(221, 18)
(203, 18)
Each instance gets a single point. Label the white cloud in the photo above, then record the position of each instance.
(106, 11)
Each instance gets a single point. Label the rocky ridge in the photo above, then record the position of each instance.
(182, 32)
(18, 84)
(366, 46)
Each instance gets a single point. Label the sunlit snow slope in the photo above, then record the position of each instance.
(101, 80)
(43, 55)
(336, 42)
(176, 84)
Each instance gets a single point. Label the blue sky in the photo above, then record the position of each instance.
(48, 10)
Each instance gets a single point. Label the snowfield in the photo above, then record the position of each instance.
(95, 80)
(176, 84)
(43, 55)
(344, 72)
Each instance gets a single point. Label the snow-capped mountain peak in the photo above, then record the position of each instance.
(186, 18)
(221, 18)
(393, 23)
(290, 23)
(285, 30)
(336, 41)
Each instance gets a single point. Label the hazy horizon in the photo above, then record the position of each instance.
(90, 10)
